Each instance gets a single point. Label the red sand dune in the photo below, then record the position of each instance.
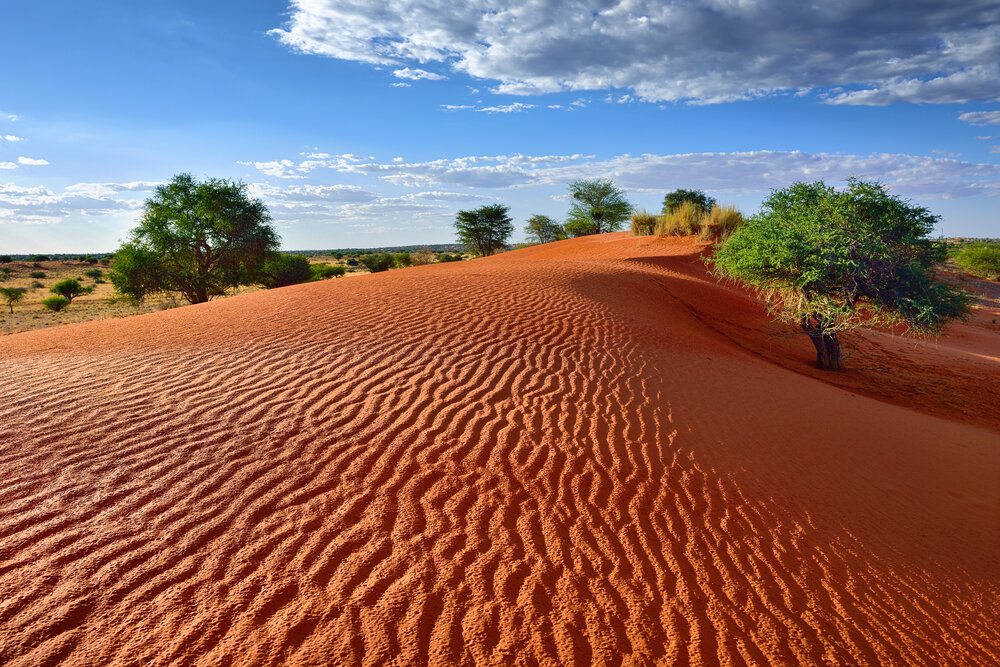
(586, 452)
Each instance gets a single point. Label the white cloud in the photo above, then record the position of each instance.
(8, 165)
(981, 117)
(9, 117)
(878, 51)
(516, 107)
(994, 150)
(417, 74)
(10, 137)
(401, 84)
(98, 190)
(944, 153)
(31, 161)
(40, 205)
(278, 168)
(740, 172)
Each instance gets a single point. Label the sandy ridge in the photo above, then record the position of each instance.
(547, 456)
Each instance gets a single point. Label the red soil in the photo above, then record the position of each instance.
(583, 452)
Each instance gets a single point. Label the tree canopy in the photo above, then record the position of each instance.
(599, 206)
(675, 199)
(196, 238)
(11, 295)
(543, 229)
(281, 270)
(70, 288)
(830, 261)
(486, 229)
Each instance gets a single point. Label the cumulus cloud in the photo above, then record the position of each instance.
(981, 117)
(31, 161)
(400, 84)
(741, 172)
(276, 168)
(704, 51)
(98, 190)
(8, 165)
(9, 117)
(516, 107)
(417, 74)
(10, 137)
(40, 205)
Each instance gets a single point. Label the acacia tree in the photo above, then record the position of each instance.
(599, 207)
(196, 238)
(70, 288)
(831, 261)
(486, 229)
(674, 199)
(11, 295)
(543, 229)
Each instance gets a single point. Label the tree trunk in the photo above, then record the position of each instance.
(826, 344)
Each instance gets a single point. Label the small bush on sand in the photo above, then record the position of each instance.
(94, 273)
(352, 262)
(721, 222)
(686, 219)
(445, 257)
(35, 284)
(403, 259)
(377, 263)
(421, 257)
(643, 223)
(37, 274)
(55, 303)
(282, 270)
(325, 271)
(980, 259)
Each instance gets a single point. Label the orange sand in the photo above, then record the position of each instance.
(586, 452)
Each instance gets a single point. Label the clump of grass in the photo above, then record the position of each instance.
(721, 222)
(643, 223)
(421, 257)
(55, 303)
(685, 220)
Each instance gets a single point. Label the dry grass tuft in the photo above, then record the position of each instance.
(686, 219)
(644, 223)
(721, 223)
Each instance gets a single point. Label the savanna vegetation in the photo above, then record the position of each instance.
(829, 261)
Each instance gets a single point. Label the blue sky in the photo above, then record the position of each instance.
(365, 123)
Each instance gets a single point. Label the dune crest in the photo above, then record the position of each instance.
(582, 452)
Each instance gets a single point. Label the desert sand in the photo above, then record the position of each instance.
(589, 452)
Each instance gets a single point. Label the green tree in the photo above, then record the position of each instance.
(543, 229)
(599, 207)
(674, 199)
(6, 259)
(980, 259)
(325, 271)
(831, 261)
(486, 229)
(70, 288)
(377, 262)
(196, 238)
(11, 295)
(281, 270)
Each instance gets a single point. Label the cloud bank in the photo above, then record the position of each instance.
(870, 52)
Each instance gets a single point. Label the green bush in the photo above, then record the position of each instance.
(643, 223)
(674, 200)
(325, 271)
(55, 303)
(376, 263)
(37, 274)
(686, 219)
(445, 257)
(353, 262)
(38, 258)
(6, 259)
(403, 259)
(980, 259)
(94, 273)
(283, 270)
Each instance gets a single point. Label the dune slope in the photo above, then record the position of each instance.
(583, 452)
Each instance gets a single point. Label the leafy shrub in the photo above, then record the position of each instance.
(36, 265)
(353, 262)
(70, 289)
(376, 263)
(105, 261)
(90, 259)
(674, 200)
(94, 273)
(445, 257)
(6, 259)
(38, 258)
(55, 303)
(643, 223)
(336, 255)
(403, 259)
(36, 284)
(283, 270)
(324, 271)
(686, 219)
(980, 259)
(421, 257)
(37, 274)
(721, 222)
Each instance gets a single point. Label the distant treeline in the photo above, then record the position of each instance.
(433, 247)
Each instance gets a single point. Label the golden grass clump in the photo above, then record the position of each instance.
(721, 222)
(643, 223)
(686, 219)
(421, 257)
